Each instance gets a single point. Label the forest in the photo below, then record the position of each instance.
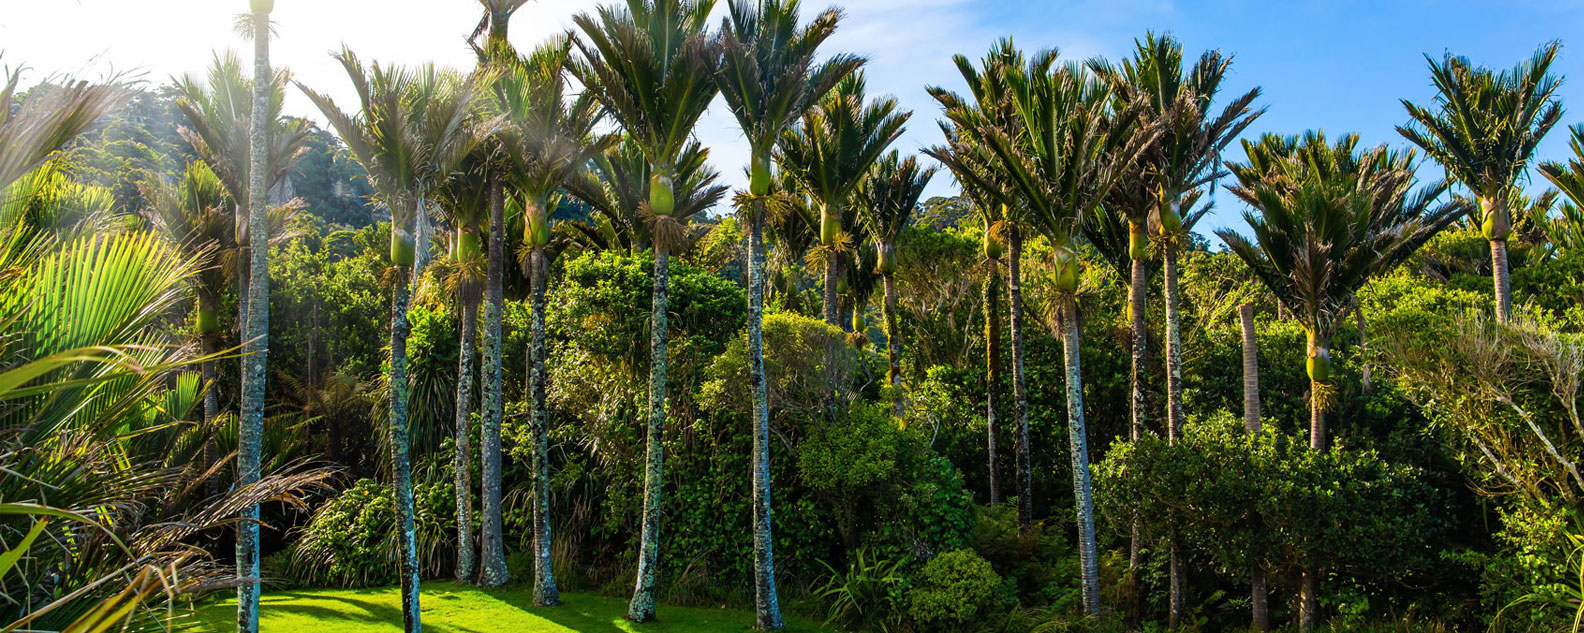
(495, 348)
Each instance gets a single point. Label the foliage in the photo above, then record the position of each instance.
(351, 540)
(956, 591)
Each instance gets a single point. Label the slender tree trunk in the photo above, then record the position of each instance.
(1025, 478)
(545, 592)
(1138, 291)
(493, 563)
(1174, 416)
(1258, 598)
(1078, 442)
(250, 436)
(1365, 378)
(211, 410)
(462, 462)
(1503, 285)
(1309, 590)
(992, 372)
(642, 607)
(832, 311)
(1317, 420)
(1251, 396)
(1309, 600)
(893, 341)
(401, 462)
(767, 606)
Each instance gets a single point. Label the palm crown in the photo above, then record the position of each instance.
(220, 115)
(831, 152)
(887, 201)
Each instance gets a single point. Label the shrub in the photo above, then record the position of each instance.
(955, 591)
(351, 540)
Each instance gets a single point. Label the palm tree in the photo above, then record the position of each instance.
(974, 167)
(994, 249)
(1186, 158)
(887, 202)
(617, 187)
(463, 199)
(548, 141)
(830, 154)
(770, 79)
(495, 54)
(652, 66)
(1568, 178)
(1326, 219)
(255, 334)
(412, 131)
(33, 128)
(1061, 156)
(1483, 127)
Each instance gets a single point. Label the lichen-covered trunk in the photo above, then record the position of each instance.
(493, 560)
(1251, 396)
(1366, 380)
(255, 334)
(1308, 599)
(401, 461)
(462, 461)
(1078, 444)
(545, 592)
(1503, 284)
(1138, 290)
(893, 341)
(1025, 475)
(992, 309)
(767, 605)
(1259, 600)
(211, 410)
(1317, 420)
(642, 607)
(1174, 417)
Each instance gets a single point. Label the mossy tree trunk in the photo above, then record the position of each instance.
(462, 461)
(767, 605)
(992, 301)
(255, 333)
(1138, 290)
(1025, 479)
(1258, 596)
(1078, 444)
(642, 607)
(401, 461)
(493, 563)
(1174, 416)
(893, 340)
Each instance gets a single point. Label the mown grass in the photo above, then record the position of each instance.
(450, 607)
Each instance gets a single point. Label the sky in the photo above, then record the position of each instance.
(1337, 65)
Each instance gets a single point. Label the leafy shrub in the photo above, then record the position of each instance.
(871, 591)
(351, 540)
(956, 590)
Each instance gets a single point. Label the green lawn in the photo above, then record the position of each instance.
(456, 608)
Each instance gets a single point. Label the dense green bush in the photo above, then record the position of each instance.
(957, 591)
(351, 540)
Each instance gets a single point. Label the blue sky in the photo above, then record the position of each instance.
(1336, 65)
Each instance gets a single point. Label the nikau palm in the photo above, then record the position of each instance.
(1483, 127)
(548, 140)
(770, 79)
(1327, 218)
(652, 66)
(411, 132)
(975, 167)
(494, 55)
(887, 202)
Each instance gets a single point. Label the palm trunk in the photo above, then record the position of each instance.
(1078, 441)
(1174, 416)
(1251, 396)
(250, 436)
(642, 607)
(1317, 420)
(1366, 381)
(545, 592)
(1308, 600)
(401, 462)
(1503, 284)
(1138, 290)
(893, 341)
(494, 573)
(767, 606)
(461, 463)
(1025, 479)
(992, 372)
(832, 312)
(1309, 590)
(211, 410)
(1258, 598)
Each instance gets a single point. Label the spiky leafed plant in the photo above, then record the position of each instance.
(1568, 231)
(769, 78)
(886, 203)
(35, 127)
(617, 187)
(413, 130)
(1483, 126)
(494, 54)
(1327, 218)
(829, 154)
(652, 65)
(548, 140)
(977, 171)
